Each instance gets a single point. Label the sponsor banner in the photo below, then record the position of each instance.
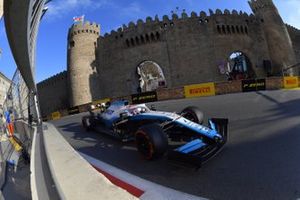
(200, 90)
(74, 110)
(55, 115)
(290, 82)
(144, 97)
(253, 85)
(101, 101)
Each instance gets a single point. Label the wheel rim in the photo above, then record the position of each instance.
(191, 116)
(144, 145)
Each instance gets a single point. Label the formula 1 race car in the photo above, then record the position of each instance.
(181, 135)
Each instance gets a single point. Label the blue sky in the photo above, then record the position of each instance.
(111, 14)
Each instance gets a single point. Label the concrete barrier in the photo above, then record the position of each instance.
(74, 178)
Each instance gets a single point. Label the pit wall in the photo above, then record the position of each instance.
(220, 88)
(189, 49)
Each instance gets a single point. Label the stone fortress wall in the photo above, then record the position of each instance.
(53, 93)
(295, 37)
(188, 48)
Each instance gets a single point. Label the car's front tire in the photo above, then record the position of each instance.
(151, 141)
(193, 113)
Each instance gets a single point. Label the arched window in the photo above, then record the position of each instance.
(219, 29)
(152, 37)
(72, 44)
(223, 29)
(228, 29)
(132, 42)
(157, 36)
(137, 40)
(242, 29)
(238, 66)
(237, 29)
(142, 39)
(246, 30)
(127, 43)
(151, 76)
(147, 38)
(232, 29)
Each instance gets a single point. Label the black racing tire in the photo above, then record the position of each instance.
(193, 113)
(151, 141)
(86, 123)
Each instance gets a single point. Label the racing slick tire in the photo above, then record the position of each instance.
(86, 123)
(193, 113)
(151, 141)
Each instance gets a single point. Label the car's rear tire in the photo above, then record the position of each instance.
(151, 141)
(86, 123)
(193, 113)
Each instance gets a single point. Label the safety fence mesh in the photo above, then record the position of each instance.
(19, 100)
(17, 132)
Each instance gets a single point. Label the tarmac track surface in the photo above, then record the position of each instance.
(260, 161)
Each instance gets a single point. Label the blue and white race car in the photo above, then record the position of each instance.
(180, 135)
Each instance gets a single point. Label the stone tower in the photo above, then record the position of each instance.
(81, 61)
(280, 46)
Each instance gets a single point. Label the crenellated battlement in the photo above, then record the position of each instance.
(53, 80)
(292, 29)
(260, 4)
(86, 27)
(203, 18)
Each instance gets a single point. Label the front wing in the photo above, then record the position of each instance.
(197, 152)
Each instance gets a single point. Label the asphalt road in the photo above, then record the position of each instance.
(260, 161)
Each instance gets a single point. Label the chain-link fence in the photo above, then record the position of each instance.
(20, 119)
(19, 100)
